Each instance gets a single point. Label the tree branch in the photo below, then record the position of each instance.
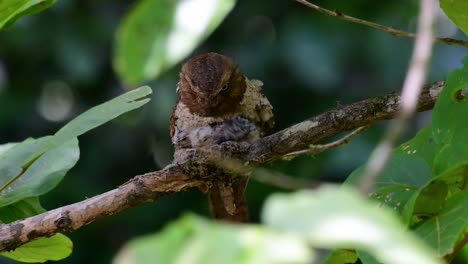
(333, 122)
(316, 149)
(194, 168)
(140, 189)
(391, 30)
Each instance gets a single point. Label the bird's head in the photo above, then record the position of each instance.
(211, 85)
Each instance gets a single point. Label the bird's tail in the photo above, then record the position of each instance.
(227, 199)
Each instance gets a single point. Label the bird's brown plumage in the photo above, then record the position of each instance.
(213, 91)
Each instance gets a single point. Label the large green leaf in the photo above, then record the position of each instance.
(450, 110)
(403, 178)
(5, 147)
(197, 241)
(42, 175)
(43, 162)
(11, 10)
(157, 34)
(339, 217)
(422, 145)
(56, 247)
(443, 230)
(456, 11)
(101, 114)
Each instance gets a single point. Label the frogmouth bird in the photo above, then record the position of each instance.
(218, 103)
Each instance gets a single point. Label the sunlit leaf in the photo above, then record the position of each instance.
(339, 217)
(456, 11)
(11, 10)
(341, 256)
(366, 258)
(157, 34)
(198, 241)
(56, 247)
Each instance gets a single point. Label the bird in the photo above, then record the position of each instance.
(217, 103)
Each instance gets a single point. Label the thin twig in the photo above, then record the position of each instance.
(410, 94)
(391, 30)
(316, 149)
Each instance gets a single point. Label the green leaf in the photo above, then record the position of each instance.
(443, 230)
(157, 34)
(21, 209)
(456, 11)
(421, 145)
(198, 241)
(454, 153)
(102, 113)
(339, 217)
(56, 247)
(341, 256)
(431, 198)
(42, 175)
(449, 111)
(95, 117)
(43, 162)
(404, 170)
(402, 179)
(366, 258)
(5, 147)
(438, 157)
(11, 10)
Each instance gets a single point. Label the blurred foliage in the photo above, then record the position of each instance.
(345, 220)
(291, 227)
(57, 63)
(149, 43)
(11, 10)
(195, 240)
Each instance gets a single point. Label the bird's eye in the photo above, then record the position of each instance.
(224, 87)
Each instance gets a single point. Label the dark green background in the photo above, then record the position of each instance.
(309, 63)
